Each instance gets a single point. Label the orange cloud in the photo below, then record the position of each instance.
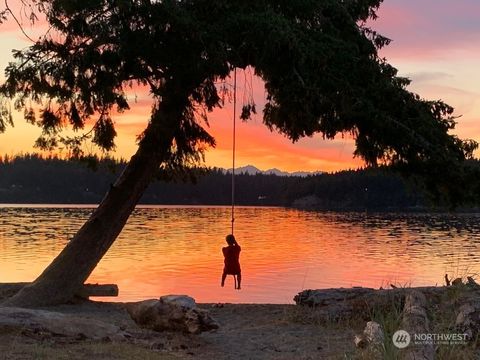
(256, 145)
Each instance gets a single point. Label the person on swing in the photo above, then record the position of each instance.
(231, 254)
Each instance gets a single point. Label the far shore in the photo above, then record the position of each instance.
(383, 210)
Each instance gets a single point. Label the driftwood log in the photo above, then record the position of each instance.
(415, 321)
(9, 289)
(347, 302)
(45, 324)
(411, 302)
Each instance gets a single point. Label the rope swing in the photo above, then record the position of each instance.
(233, 144)
(231, 252)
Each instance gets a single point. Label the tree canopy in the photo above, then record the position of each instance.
(318, 59)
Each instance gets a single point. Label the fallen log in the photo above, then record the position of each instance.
(98, 290)
(415, 321)
(46, 324)
(9, 289)
(360, 302)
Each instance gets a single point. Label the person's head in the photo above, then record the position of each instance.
(230, 239)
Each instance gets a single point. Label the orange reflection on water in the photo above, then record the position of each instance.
(177, 250)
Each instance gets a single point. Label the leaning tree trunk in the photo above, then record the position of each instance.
(71, 268)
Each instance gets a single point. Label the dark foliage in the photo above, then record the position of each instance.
(319, 62)
(31, 179)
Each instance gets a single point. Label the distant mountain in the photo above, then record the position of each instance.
(252, 170)
(249, 169)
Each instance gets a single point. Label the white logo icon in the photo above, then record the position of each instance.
(401, 339)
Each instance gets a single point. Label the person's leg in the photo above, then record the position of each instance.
(239, 280)
(224, 275)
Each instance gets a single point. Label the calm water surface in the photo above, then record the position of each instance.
(177, 250)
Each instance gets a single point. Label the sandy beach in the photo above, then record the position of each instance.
(324, 330)
(247, 331)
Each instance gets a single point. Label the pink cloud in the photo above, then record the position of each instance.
(20, 19)
(428, 29)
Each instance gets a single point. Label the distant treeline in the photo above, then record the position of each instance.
(33, 179)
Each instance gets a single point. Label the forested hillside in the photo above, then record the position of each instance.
(32, 179)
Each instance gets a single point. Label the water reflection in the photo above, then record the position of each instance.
(178, 250)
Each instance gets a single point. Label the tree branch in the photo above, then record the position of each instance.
(7, 8)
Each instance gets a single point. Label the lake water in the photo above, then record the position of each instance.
(177, 250)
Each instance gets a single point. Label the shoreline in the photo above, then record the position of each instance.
(247, 331)
(356, 210)
(260, 331)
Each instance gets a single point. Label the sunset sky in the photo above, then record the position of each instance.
(435, 43)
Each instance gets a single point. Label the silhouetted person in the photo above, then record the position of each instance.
(231, 254)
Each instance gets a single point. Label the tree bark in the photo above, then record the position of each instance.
(70, 269)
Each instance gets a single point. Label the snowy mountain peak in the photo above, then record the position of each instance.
(252, 170)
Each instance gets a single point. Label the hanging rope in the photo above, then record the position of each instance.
(233, 146)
